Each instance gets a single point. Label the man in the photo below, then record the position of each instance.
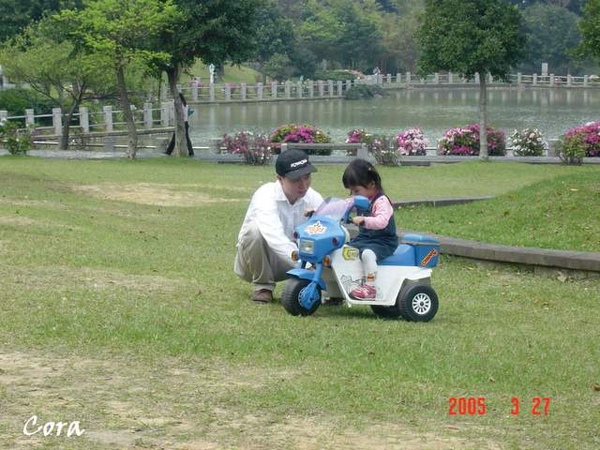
(265, 241)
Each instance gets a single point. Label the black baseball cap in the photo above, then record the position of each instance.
(293, 164)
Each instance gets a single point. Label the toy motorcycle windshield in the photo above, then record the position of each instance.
(334, 208)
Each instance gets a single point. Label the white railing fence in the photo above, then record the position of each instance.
(159, 119)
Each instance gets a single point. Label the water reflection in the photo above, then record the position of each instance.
(435, 110)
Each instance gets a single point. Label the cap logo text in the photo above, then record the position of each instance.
(298, 163)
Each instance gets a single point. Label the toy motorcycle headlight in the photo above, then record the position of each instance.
(306, 246)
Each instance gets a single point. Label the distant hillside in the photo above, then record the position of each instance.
(232, 74)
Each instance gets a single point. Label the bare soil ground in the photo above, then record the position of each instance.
(175, 405)
(156, 194)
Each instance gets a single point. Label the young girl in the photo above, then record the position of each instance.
(376, 237)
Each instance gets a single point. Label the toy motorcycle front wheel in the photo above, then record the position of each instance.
(296, 290)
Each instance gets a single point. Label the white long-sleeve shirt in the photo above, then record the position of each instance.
(276, 218)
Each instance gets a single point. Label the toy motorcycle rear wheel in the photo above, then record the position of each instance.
(419, 303)
(291, 295)
(415, 302)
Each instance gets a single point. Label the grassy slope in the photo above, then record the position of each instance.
(561, 213)
(156, 335)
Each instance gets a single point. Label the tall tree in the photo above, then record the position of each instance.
(400, 37)
(320, 31)
(49, 66)
(18, 14)
(590, 29)
(343, 32)
(124, 32)
(359, 43)
(472, 37)
(275, 34)
(215, 31)
(552, 33)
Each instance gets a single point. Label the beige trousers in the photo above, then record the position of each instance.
(257, 264)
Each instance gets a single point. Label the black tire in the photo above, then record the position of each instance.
(419, 303)
(394, 312)
(290, 298)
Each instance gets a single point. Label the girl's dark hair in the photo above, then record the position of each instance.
(361, 172)
(182, 99)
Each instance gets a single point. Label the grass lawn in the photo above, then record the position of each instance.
(120, 312)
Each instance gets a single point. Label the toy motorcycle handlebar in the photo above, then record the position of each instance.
(360, 204)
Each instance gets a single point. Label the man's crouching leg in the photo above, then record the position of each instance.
(257, 264)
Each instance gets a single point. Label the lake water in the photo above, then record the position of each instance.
(551, 110)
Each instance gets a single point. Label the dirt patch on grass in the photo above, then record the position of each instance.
(155, 194)
(16, 221)
(165, 403)
(40, 278)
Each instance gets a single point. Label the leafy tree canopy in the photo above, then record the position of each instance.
(590, 29)
(215, 31)
(470, 37)
(18, 14)
(552, 35)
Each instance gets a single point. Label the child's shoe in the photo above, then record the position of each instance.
(365, 292)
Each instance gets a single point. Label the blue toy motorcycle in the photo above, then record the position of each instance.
(330, 268)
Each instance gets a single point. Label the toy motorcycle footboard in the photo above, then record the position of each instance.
(348, 274)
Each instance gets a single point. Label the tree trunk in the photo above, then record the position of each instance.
(66, 127)
(63, 142)
(131, 129)
(483, 147)
(180, 140)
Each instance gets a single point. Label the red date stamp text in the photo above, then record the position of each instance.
(477, 406)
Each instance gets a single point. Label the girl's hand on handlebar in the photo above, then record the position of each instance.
(357, 220)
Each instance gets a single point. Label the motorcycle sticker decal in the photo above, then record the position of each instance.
(315, 228)
(428, 257)
(349, 253)
(348, 283)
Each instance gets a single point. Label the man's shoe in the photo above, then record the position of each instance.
(262, 296)
(364, 292)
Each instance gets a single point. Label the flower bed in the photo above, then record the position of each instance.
(357, 136)
(411, 142)
(528, 142)
(255, 148)
(465, 141)
(299, 133)
(577, 143)
(586, 137)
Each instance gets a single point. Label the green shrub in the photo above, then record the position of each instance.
(579, 142)
(338, 75)
(16, 140)
(383, 149)
(571, 148)
(364, 91)
(16, 101)
(256, 149)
